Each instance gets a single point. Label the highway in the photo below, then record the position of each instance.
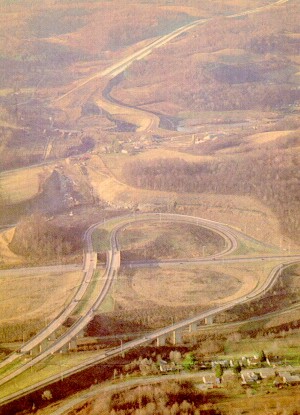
(258, 9)
(153, 263)
(89, 267)
(90, 263)
(231, 243)
(111, 269)
(102, 357)
(228, 234)
(117, 68)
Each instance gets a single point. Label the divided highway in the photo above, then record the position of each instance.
(231, 243)
(119, 67)
(111, 269)
(152, 263)
(90, 262)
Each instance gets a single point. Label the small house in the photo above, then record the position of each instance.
(249, 377)
(209, 379)
(291, 379)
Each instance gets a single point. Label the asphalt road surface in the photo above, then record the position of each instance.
(230, 235)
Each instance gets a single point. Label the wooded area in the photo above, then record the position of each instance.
(229, 64)
(37, 239)
(272, 176)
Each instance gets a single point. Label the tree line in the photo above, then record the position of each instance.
(38, 239)
(271, 176)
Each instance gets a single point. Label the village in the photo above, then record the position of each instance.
(248, 371)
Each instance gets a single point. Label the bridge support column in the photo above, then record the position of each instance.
(209, 320)
(36, 350)
(192, 327)
(83, 260)
(161, 340)
(73, 344)
(176, 337)
(52, 336)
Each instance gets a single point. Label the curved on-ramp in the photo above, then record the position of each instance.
(90, 259)
(111, 269)
(230, 236)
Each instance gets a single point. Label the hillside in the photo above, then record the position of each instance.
(240, 77)
(128, 114)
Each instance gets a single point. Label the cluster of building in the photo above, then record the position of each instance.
(252, 371)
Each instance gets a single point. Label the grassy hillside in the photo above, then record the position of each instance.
(231, 64)
(237, 174)
(206, 125)
(238, 79)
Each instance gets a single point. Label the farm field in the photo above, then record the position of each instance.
(33, 299)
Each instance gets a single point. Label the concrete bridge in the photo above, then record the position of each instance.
(176, 336)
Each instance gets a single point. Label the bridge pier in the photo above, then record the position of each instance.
(94, 258)
(161, 340)
(176, 337)
(52, 336)
(209, 320)
(73, 344)
(192, 327)
(39, 348)
(36, 350)
(65, 348)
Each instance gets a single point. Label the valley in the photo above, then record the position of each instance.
(160, 142)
